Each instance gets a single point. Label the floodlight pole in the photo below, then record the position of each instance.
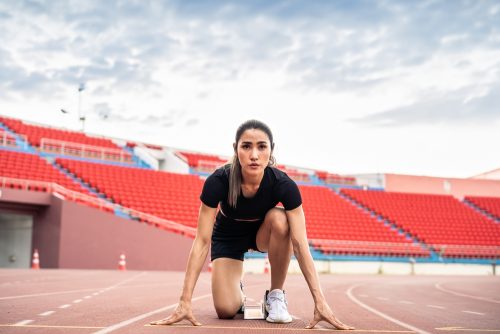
(81, 114)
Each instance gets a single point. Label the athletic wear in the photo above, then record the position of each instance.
(276, 306)
(232, 237)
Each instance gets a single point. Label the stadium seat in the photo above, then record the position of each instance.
(441, 221)
(26, 166)
(489, 204)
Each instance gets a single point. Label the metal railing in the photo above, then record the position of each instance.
(84, 151)
(352, 247)
(9, 140)
(75, 196)
(369, 248)
(208, 166)
(467, 251)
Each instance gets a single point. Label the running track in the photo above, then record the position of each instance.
(99, 301)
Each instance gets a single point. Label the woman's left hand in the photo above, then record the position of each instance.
(323, 312)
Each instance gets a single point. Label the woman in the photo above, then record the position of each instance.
(247, 191)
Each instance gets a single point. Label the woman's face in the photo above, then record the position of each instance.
(254, 151)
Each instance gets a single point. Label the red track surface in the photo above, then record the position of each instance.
(89, 301)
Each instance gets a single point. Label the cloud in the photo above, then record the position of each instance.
(192, 122)
(318, 46)
(103, 110)
(448, 109)
(15, 79)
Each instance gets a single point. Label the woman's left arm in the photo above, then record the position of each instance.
(298, 235)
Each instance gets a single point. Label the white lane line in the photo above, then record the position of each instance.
(122, 282)
(65, 306)
(127, 322)
(45, 294)
(472, 312)
(405, 302)
(24, 322)
(44, 314)
(380, 314)
(87, 297)
(71, 291)
(435, 306)
(77, 301)
(439, 287)
(382, 298)
(95, 293)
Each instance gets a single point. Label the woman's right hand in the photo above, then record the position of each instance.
(182, 312)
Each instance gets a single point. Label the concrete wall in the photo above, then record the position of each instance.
(95, 239)
(370, 180)
(438, 185)
(70, 235)
(172, 163)
(92, 239)
(47, 233)
(490, 175)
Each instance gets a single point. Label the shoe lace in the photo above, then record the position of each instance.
(277, 298)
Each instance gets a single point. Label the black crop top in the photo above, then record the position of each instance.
(275, 187)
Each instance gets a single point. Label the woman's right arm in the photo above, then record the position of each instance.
(197, 257)
(199, 250)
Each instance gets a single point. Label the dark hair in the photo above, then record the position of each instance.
(235, 174)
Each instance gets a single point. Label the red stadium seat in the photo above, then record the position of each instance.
(438, 220)
(31, 167)
(489, 204)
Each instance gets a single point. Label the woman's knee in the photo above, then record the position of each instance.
(226, 291)
(226, 311)
(278, 221)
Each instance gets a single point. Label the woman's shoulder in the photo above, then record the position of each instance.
(279, 175)
(222, 172)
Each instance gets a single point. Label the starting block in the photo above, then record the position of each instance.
(253, 310)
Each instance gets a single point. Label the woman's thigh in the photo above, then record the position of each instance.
(226, 291)
(275, 216)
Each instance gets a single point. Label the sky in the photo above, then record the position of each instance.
(350, 87)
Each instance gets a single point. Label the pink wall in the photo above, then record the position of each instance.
(91, 238)
(9, 196)
(70, 235)
(436, 185)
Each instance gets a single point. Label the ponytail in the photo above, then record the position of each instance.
(234, 182)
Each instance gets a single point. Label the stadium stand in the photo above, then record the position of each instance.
(166, 195)
(489, 204)
(451, 228)
(25, 166)
(67, 142)
(132, 144)
(7, 139)
(349, 223)
(336, 226)
(294, 174)
(202, 162)
(331, 178)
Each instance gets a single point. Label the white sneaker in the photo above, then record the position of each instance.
(276, 306)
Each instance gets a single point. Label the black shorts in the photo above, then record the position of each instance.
(232, 239)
